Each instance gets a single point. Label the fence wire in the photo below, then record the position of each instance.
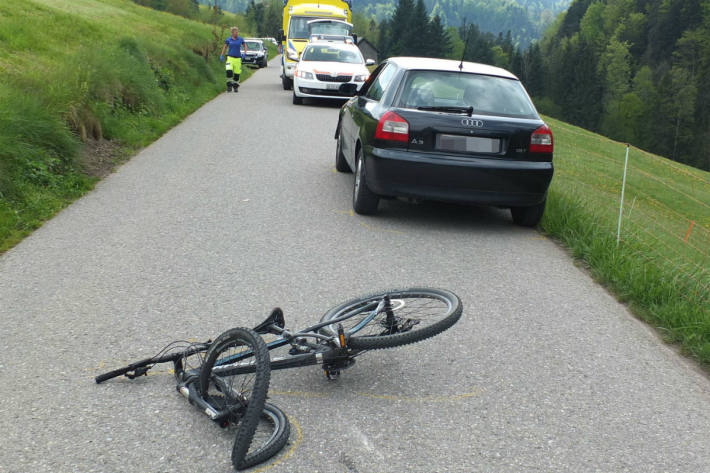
(666, 205)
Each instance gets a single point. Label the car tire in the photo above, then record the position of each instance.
(364, 200)
(528, 216)
(286, 82)
(341, 165)
(297, 100)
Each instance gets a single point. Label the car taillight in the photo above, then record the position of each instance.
(541, 140)
(392, 127)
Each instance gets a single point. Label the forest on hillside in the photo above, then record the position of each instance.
(634, 70)
(526, 19)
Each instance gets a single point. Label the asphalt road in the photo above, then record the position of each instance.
(239, 209)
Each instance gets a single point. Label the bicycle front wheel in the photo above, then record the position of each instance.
(408, 316)
(241, 394)
(270, 437)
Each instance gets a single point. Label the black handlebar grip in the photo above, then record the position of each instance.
(112, 374)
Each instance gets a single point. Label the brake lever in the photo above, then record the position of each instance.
(142, 371)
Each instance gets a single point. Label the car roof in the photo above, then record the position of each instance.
(253, 39)
(425, 63)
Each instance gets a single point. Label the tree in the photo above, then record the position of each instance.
(591, 27)
(439, 44)
(273, 22)
(399, 26)
(682, 105)
(646, 133)
(416, 37)
(533, 71)
(616, 69)
(384, 40)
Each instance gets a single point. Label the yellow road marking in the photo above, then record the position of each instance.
(304, 394)
(387, 397)
(435, 399)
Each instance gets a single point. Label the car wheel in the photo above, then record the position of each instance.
(297, 100)
(364, 200)
(341, 164)
(286, 82)
(528, 216)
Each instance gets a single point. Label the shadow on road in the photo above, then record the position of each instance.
(441, 215)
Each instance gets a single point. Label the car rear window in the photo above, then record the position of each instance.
(488, 95)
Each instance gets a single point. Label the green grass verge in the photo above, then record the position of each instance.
(77, 70)
(659, 268)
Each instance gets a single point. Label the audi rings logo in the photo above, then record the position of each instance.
(472, 122)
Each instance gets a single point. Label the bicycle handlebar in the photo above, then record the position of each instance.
(133, 366)
(191, 350)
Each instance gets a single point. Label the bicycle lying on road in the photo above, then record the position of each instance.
(237, 401)
(230, 384)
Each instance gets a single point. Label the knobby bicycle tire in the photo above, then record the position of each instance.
(272, 433)
(248, 397)
(413, 309)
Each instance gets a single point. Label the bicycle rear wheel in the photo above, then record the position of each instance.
(244, 394)
(272, 433)
(412, 315)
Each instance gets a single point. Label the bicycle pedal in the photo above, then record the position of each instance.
(332, 374)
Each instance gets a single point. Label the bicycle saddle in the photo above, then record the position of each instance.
(276, 318)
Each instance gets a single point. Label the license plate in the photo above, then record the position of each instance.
(332, 86)
(467, 144)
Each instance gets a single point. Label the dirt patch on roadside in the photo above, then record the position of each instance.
(99, 157)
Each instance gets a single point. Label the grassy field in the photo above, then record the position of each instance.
(105, 72)
(661, 266)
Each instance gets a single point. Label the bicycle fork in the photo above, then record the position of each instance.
(189, 391)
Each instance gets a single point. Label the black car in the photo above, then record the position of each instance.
(449, 131)
(256, 54)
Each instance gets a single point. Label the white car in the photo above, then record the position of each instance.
(329, 70)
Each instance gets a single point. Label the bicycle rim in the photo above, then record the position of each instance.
(413, 314)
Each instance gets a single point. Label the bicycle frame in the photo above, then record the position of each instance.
(331, 352)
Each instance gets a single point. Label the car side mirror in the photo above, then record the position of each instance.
(370, 62)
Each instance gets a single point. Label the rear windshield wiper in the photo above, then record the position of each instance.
(467, 110)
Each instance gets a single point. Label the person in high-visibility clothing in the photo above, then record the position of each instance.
(234, 58)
